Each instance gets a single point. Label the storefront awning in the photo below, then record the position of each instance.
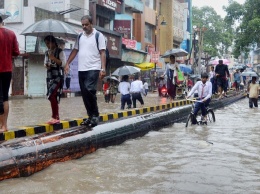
(145, 66)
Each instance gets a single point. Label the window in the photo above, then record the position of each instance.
(148, 33)
(25, 3)
(150, 3)
(2, 4)
(103, 22)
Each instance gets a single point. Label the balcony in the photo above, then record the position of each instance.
(136, 6)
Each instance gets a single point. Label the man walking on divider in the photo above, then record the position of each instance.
(90, 47)
(221, 74)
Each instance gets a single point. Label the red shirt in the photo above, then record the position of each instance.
(105, 86)
(8, 48)
(190, 83)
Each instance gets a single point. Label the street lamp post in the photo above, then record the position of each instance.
(163, 23)
(200, 31)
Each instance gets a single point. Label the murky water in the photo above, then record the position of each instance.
(25, 112)
(219, 158)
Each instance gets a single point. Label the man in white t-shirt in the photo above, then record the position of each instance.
(91, 66)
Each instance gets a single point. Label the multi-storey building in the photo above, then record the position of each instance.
(132, 27)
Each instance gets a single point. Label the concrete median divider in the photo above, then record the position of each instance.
(25, 156)
(25, 131)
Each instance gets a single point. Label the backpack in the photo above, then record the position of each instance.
(107, 51)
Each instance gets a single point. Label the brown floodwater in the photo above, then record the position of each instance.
(222, 157)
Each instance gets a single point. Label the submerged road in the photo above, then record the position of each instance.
(222, 157)
(26, 112)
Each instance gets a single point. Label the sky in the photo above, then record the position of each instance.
(216, 4)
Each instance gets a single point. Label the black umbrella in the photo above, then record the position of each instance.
(47, 27)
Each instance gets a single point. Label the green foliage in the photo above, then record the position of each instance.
(247, 18)
(219, 35)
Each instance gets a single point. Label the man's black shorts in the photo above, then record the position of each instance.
(221, 82)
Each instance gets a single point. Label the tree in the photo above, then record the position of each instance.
(246, 19)
(219, 36)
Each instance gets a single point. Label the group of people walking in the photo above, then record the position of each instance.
(131, 92)
(91, 67)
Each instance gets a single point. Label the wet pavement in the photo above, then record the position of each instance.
(27, 112)
(222, 157)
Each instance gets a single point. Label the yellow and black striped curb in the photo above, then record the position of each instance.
(65, 124)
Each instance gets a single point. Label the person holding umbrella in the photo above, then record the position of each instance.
(9, 48)
(91, 66)
(171, 73)
(54, 62)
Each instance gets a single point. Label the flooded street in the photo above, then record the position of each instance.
(222, 157)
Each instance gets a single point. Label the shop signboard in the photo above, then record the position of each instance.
(131, 44)
(123, 27)
(114, 5)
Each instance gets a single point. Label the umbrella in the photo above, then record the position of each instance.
(216, 61)
(4, 16)
(175, 52)
(240, 67)
(126, 70)
(194, 76)
(185, 68)
(145, 66)
(50, 27)
(249, 73)
(110, 77)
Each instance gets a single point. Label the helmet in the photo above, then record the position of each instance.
(204, 75)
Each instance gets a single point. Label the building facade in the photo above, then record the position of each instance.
(132, 27)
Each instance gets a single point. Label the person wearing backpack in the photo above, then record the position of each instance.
(91, 66)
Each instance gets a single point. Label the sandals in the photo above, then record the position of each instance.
(53, 121)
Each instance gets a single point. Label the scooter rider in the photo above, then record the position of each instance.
(204, 88)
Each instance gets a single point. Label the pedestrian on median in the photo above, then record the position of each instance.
(253, 90)
(222, 73)
(237, 80)
(212, 79)
(171, 73)
(136, 91)
(91, 49)
(9, 48)
(54, 62)
(124, 89)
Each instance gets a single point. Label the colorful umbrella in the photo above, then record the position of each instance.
(216, 61)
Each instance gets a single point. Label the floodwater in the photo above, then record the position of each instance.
(222, 157)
